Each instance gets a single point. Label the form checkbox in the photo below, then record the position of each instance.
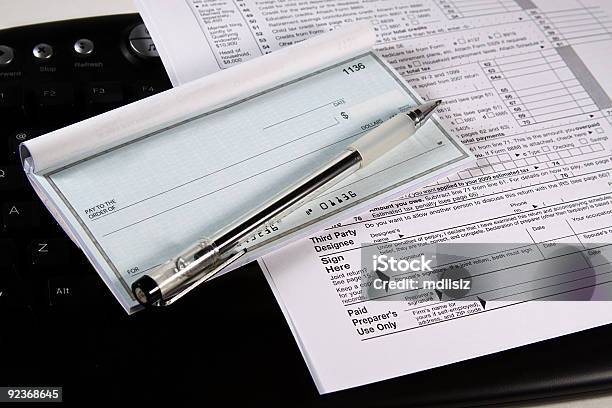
(490, 115)
(545, 149)
(453, 177)
(599, 130)
(583, 141)
(598, 147)
(458, 121)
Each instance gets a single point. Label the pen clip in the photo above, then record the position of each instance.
(209, 274)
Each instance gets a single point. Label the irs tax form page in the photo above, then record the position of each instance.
(526, 86)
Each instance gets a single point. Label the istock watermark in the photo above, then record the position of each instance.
(386, 263)
(416, 272)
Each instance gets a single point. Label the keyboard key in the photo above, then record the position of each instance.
(8, 279)
(103, 96)
(53, 101)
(54, 95)
(11, 102)
(144, 89)
(6, 293)
(49, 251)
(7, 55)
(11, 178)
(15, 140)
(64, 291)
(8, 289)
(11, 97)
(19, 215)
(7, 251)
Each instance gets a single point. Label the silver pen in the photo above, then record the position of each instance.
(173, 279)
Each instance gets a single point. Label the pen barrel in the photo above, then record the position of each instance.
(186, 266)
(289, 200)
(167, 279)
(384, 137)
(194, 264)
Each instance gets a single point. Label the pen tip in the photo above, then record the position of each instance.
(422, 112)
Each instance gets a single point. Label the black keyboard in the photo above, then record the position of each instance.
(228, 342)
(53, 75)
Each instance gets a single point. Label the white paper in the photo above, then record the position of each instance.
(526, 87)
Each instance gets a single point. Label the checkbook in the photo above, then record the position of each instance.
(135, 185)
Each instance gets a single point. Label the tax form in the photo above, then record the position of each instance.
(527, 88)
